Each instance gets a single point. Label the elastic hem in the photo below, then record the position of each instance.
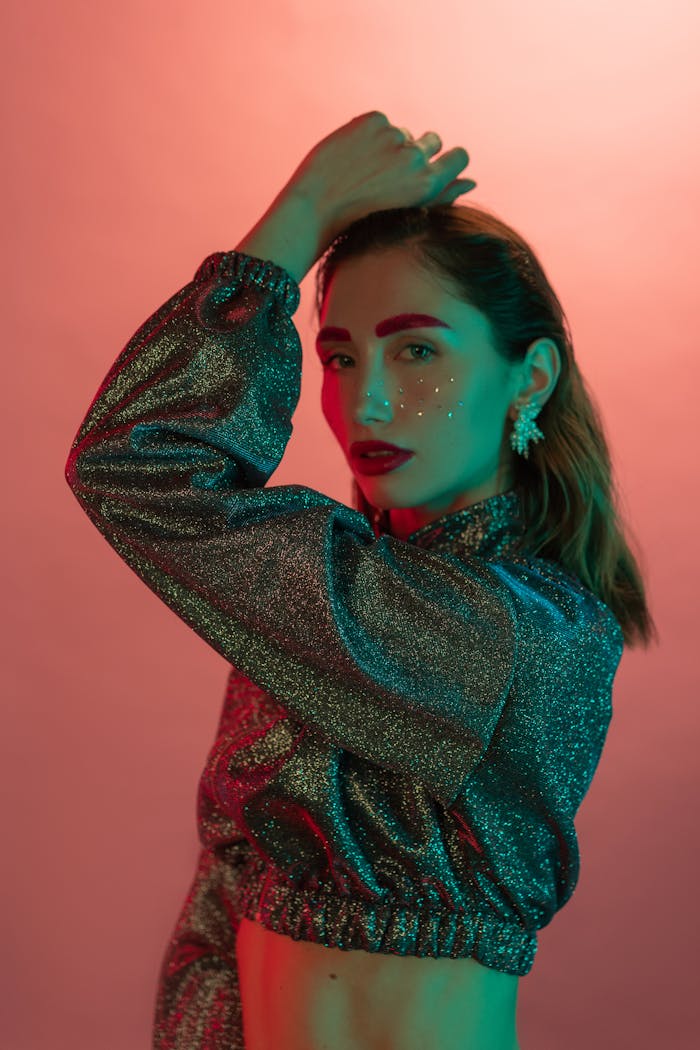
(239, 267)
(351, 923)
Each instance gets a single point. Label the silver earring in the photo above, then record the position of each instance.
(525, 429)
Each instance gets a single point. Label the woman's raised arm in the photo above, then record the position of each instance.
(398, 654)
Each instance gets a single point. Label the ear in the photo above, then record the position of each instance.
(540, 371)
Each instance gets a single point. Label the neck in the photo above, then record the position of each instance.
(405, 520)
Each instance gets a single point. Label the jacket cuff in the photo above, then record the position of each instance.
(237, 266)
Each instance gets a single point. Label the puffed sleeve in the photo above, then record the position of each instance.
(400, 655)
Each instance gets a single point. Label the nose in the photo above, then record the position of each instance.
(372, 407)
(372, 401)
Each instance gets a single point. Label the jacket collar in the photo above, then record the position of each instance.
(490, 528)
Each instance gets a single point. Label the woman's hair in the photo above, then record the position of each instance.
(566, 487)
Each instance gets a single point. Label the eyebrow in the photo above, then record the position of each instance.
(399, 323)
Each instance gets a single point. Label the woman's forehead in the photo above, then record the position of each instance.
(385, 278)
(378, 306)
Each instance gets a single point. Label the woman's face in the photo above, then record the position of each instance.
(441, 392)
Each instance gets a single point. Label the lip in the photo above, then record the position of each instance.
(358, 448)
(380, 464)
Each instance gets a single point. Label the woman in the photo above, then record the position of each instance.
(416, 706)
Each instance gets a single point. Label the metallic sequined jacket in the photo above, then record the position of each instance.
(410, 726)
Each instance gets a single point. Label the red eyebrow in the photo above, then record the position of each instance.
(392, 324)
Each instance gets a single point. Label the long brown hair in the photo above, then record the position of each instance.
(566, 488)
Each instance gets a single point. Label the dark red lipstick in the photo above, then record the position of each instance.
(366, 460)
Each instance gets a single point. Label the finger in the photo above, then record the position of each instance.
(430, 143)
(454, 190)
(448, 166)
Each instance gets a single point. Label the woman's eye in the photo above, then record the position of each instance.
(421, 346)
(411, 346)
(327, 362)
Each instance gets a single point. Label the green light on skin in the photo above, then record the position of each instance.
(450, 415)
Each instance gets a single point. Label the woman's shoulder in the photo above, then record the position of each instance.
(546, 589)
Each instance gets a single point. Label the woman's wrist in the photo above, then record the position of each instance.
(291, 233)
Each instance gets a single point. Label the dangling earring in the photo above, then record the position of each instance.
(525, 429)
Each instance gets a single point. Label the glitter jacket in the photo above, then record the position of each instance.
(410, 726)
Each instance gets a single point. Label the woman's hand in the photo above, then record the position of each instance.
(369, 164)
(364, 166)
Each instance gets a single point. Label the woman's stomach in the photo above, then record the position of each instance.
(303, 996)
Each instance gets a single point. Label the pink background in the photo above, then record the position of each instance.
(140, 137)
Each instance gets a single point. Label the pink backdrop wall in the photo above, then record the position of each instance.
(140, 137)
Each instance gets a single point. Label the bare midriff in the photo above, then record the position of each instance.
(303, 996)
